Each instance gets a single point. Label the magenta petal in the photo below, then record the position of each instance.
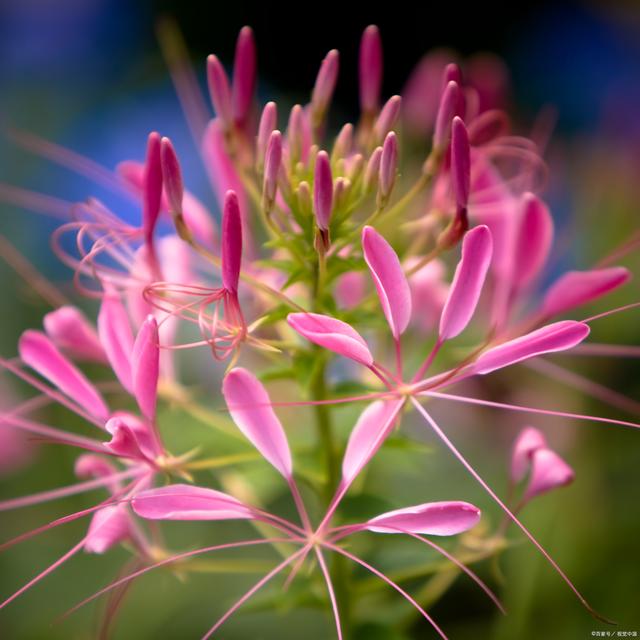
(152, 195)
(70, 331)
(125, 440)
(332, 334)
(371, 430)
(231, 242)
(529, 440)
(244, 75)
(116, 337)
(37, 351)
(576, 288)
(548, 471)
(477, 248)
(186, 502)
(145, 364)
(109, 526)
(323, 190)
(388, 276)
(432, 518)
(558, 336)
(370, 69)
(250, 408)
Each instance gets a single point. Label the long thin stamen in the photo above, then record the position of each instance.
(330, 589)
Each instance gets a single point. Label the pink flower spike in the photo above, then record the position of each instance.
(152, 195)
(576, 288)
(244, 75)
(250, 408)
(431, 518)
(272, 162)
(370, 69)
(369, 433)
(529, 441)
(477, 248)
(460, 163)
(548, 471)
(70, 331)
(447, 110)
(323, 191)
(388, 276)
(388, 165)
(38, 352)
(219, 91)
(109, 526)
(231, 242)
(171, 176)
(324, 86)
(116, 337)
(558, 336)
(388, 117)
(145, 363)
(268, 122)
(332, 334)
(186, 502)
(533, 241)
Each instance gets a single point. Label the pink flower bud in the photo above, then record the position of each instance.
(460, 163)
(373, 170)
(231, 242)
(324, 86)
(452, 73)
(272, 162)
(343, 144)
(446, 112)
(244, 75)
(388, 165)
(388, 117)
(548, 471)
(171, 176)
(152, 194)
(295, 133)
(268, 122)
(370, 68)
(322, 190)
(219, 90)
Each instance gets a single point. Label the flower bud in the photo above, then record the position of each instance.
(370, 69)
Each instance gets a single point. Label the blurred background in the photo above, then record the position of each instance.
(88, 74)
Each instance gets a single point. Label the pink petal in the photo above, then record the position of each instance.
(244, 75)
(186, 502)
(37, 351)
(533, 241)
(576, 288)
(370, 69)
(116, 337)
(109, 526)
(529, 440)
(250, 408)
(231, 242)
(323, 190)
(548, 471)
(432, 518)
(70, 331)
(145, 363)
(219, 90)
(124, 441)
(152, 194)
(558, 336)
(388, 276)
(371, 430)
(332, 334)
(477, 248)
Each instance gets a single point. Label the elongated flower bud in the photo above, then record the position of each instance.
(219, 90)
(460, 163)
(370, 68)
(231, 242)
(388, 117)
(343, 144)
(324, 86)
(171, 176)
(244, 75)
(152, 187)
(341, 192)
(446, 112)
(452, 73)
(268, 122)
(272, 162)
(373, 170)
(295, 134)
(388, 167)
(323, 191)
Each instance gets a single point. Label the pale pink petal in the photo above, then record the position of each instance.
(529, 440)
(558, 336)
(370, 69)
(388, 276)
(576, 288)
(477, 248)
(70, 331)
(250, 408)
(186, 502)
(145, 362)
(116, 337)
(548, 471)
(109, 526)
(432, 518)
(231, 242)
(332, 334)
(37, 351)
(371, 430)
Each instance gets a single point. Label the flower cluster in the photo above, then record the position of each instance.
(336, 260)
